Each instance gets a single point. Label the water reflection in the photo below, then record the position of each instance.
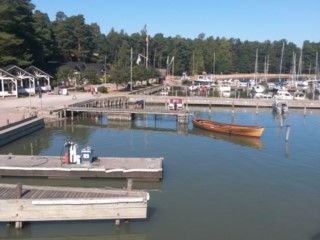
(238, 140)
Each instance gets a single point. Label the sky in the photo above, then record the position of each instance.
(259, 20)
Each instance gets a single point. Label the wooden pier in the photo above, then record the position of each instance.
(149, 169)
(36, 203)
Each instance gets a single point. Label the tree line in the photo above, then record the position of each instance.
(27, 36)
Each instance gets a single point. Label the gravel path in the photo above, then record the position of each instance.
(15, 109)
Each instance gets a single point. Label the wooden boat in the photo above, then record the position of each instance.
(228, 128)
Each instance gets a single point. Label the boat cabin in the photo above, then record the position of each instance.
(175, 104)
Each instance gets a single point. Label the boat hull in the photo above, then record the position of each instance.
(231, 129)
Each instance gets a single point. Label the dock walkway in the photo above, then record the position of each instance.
(38, 203)
(101, 167)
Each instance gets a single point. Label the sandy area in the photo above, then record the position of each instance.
(14, 109)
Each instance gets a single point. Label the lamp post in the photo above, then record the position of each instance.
(105, 69)
(147, 43)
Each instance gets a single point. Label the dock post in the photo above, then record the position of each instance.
(305, 110)
(18, 225)
(8, 122)
(129, 184)
(65, 111)
(117, 222)
(72, 115)
(288, 133)
(257, 108)
(31, 149)
(232, 108)
(19, 191)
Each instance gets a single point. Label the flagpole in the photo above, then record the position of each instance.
(147, 40)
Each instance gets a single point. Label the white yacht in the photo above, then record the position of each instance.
(283, 94)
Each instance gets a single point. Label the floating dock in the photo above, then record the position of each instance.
(16, 130)
(101, 167)
(36, 203)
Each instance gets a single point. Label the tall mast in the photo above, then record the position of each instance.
(282, 50)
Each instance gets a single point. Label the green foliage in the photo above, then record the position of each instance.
(103, 89)
(18, 44)
(90, 75)
(28, 37)
(63, 74)
(122, 75)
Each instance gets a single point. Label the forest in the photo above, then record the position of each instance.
(28, 37)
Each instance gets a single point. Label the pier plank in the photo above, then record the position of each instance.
(102, 167)
(45, 204)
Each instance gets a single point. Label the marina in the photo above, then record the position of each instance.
(238, 180)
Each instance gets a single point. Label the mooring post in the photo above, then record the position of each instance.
(232, 108)
(305, 110)
(71, 114)
(31, 149)
(117, 222)
(8, 122)
(129, 184)
(18, 191)
(288, 132)
(64, 111)
(18, 225)
(257, 108)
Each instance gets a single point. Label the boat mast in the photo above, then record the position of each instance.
(316, 67)
(256, 67)
(282, 50)
(300, 65)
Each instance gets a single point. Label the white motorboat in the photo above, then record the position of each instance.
(299, 95)
(257, 88)
(185, 78)
(263, 96)
(280, 107)
(283, 95)
(203, 80)
(224, 86)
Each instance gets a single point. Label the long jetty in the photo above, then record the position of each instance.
(148, 169)
(41, 203)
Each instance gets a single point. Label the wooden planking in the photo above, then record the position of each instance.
(24, 210)
(8, 191)
(40, 203)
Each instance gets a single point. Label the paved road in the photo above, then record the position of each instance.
(15, 109)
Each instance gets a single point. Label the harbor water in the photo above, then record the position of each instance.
(214, 186)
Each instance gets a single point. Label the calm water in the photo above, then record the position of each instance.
(214, 187)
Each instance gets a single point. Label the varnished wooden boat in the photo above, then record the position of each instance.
(228, 128)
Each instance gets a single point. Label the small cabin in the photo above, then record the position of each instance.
(175, 104)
